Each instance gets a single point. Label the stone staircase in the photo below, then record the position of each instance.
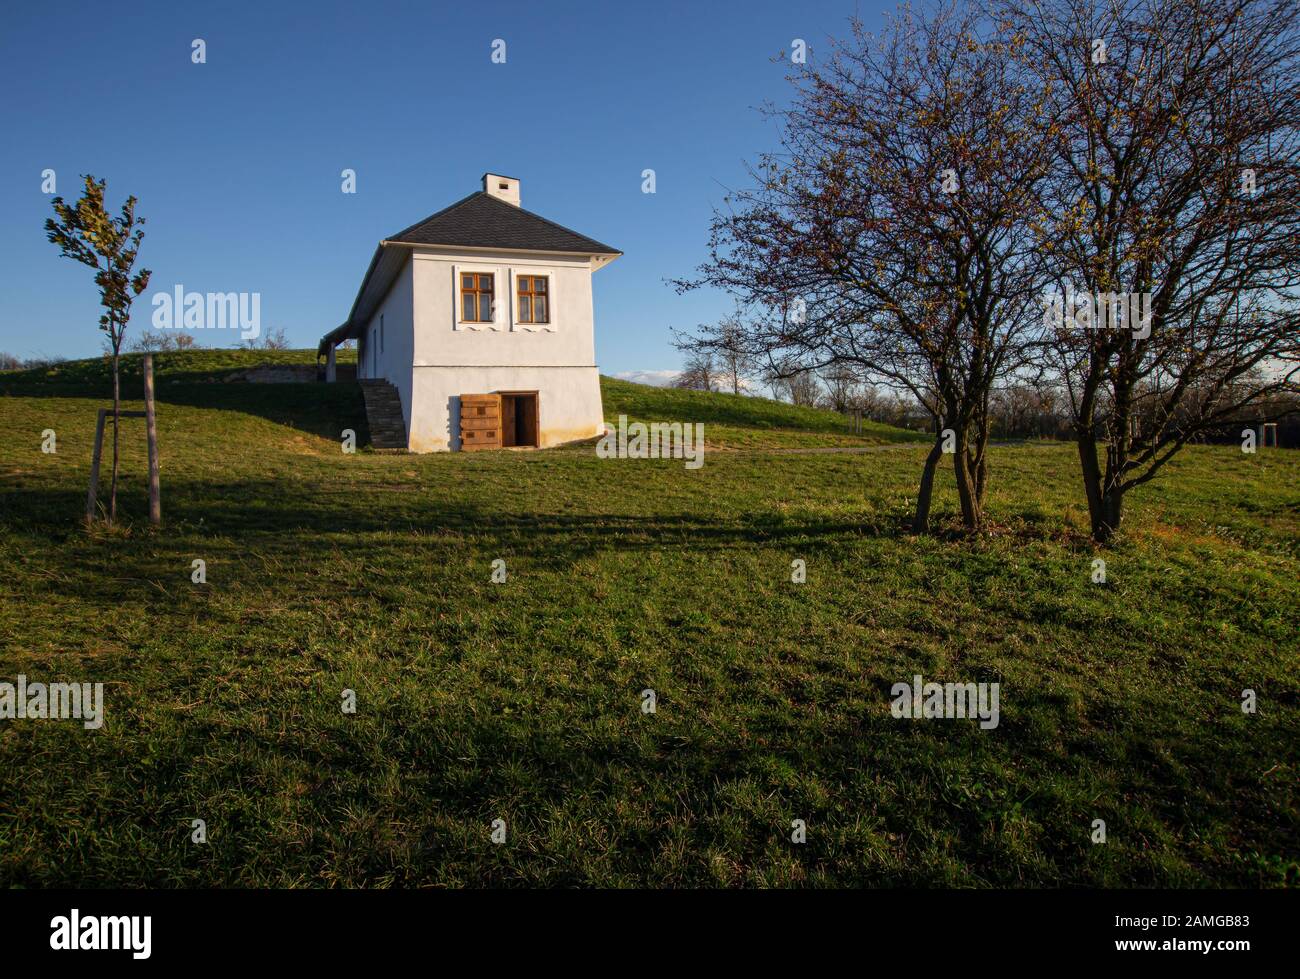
(384, 414)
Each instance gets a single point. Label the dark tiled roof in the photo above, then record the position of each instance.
(477, 221)
(482, 221)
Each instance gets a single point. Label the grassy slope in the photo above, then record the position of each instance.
(521, 700)
(738, 421)
(199, 365)
(188, 377)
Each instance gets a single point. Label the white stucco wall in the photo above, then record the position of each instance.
(569, 339)
(568, 402)
(450, 358)
(393, 362)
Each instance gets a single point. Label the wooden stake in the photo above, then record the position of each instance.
(93, 492)
(94, 467)
(151, 428)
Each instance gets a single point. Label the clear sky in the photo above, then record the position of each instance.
(237, 162)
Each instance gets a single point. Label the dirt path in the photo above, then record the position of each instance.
(861, 449)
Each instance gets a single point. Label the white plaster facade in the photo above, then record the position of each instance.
(415, 338)
(385, 347)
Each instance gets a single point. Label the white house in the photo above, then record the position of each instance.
(480, 317)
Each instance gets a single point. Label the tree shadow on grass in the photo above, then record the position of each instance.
(259, 512)
(287, 516)
(952, 790)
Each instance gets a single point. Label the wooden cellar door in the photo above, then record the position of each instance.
(519, 419)
(480, 422)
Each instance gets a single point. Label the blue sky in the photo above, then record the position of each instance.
(237, 162)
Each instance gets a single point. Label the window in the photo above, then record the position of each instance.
(381, 332)
(534, 298)
(476, 297)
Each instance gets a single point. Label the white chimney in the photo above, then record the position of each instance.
(502, 188)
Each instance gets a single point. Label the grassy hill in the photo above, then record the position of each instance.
(522, 700)
(195, 366)
(201, 378)
(741, 421)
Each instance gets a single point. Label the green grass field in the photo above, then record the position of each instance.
(521, 701)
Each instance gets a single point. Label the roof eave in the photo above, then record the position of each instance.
(588, 252)
(350, 329)
(333, 338)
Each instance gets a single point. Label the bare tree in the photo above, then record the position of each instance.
(700, 373)
(275, 339)
(731, 363)
(160, 342)
(843, 387)
(798, 385)
(734, 359)
(1174, 188)
(148, 342)
(888, 232)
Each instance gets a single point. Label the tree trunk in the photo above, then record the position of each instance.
(921, 522)
(117, 423)
(972, 516)
(1105, 504)
(1112, 514)
(980, 465)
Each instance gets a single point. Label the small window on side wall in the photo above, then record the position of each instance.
(534, 299)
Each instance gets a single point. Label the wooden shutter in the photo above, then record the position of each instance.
(480, 422)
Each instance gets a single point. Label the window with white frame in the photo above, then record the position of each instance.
(476, 298)
(533, 295)
(534, 299)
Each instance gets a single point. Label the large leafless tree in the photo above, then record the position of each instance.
(1176, 125)
(887, 234)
